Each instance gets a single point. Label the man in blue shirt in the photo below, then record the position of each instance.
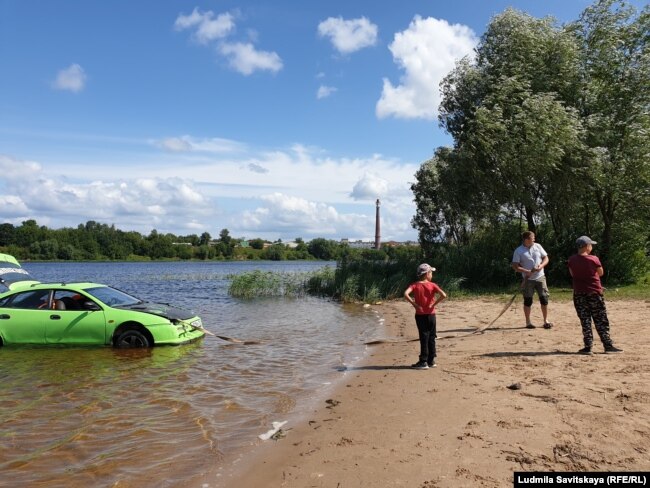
(529, 259)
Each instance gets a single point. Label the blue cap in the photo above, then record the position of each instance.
(583, 241)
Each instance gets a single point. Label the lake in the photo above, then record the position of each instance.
(167, 416)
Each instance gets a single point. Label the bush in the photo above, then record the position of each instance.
(268, 284)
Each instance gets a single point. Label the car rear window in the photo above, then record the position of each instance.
(32, 299)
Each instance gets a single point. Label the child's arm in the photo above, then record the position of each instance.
(440, 296)
(407, 296)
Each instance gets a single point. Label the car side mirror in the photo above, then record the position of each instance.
(92, 306)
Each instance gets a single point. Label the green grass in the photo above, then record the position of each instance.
(638, 291)
(376, 282)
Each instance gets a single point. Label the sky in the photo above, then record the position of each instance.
(275, 120)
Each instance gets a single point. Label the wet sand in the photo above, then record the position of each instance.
(509, 399)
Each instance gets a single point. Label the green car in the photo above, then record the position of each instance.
(85, 314)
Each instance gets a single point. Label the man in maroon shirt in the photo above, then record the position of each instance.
(586, 270)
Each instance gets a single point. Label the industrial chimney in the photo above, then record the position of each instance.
(377, 227)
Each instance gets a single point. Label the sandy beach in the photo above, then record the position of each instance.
(508, 399)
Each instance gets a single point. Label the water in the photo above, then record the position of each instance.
(97, 416)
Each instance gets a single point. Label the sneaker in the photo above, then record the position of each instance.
(432, 365)
(612, 350)
(420, 365)
(548, 325)
(530, 326)
(585, 350)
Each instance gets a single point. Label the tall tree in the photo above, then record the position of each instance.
(205, 239)
(7, 233)
(514, 137)
(550, 126)
(615, 107)
(322, 248)
(226, 244)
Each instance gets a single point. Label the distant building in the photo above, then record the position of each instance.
(359, 244)
(396, 243)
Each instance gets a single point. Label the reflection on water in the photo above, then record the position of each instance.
(101, 417)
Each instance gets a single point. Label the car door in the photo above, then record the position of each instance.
(70, 322)
(24, 317)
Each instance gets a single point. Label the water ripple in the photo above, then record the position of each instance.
(79, 416)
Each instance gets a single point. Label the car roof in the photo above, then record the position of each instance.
(40, 286)
(12, 274)
(15, 278)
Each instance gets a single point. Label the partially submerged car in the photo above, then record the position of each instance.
(85, 314)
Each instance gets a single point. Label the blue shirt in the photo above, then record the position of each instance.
(529, 257)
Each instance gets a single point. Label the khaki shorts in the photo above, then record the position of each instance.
(530, 286)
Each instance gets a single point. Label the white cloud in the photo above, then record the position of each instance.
(175, 144)
(426, 51)
(309, 195)
(245, 59)
(143, 197)
(140, 202)
(298, 216)
(348, 36)
(15, 169)
(286, 216)
(300, 170)
(325, 91)
(73, 78)
(12, 206)
(192, 144)
(369, 187)
(206, 27)
(283, 193)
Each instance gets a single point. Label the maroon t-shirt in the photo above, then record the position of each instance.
(585, 277)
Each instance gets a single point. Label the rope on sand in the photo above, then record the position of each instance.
(476, 331)
(389, 341)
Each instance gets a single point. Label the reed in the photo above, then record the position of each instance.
(362, 280)
(273, 284)
(368, 280)
(321, 282)
(357, 278)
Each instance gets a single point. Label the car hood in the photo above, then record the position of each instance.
(161, 309)
(12, 275)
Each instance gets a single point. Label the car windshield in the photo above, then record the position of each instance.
(112, 297)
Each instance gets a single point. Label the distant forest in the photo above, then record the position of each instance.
(93, 241)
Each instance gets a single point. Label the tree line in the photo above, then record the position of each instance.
(97, 241)
(551, 133)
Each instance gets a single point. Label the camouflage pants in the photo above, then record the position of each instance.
(592, 306)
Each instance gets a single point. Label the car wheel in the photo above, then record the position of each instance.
(131, 339)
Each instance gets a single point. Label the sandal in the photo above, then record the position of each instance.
(548, 325)
(530, 326)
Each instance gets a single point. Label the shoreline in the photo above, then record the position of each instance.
(509, 399)
(235, 462)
